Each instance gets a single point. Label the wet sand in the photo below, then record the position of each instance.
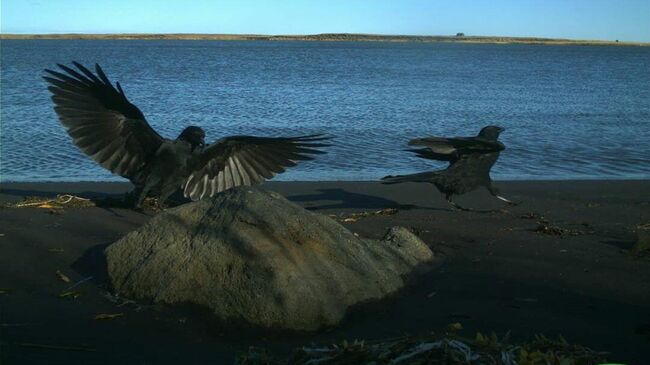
(497, 274)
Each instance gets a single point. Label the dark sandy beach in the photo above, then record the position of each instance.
(496, 274)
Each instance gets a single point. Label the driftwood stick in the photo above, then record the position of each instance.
(60, 199)
(14, 324)
(78, 283)
(54, 347)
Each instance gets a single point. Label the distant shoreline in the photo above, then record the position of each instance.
(327, 37)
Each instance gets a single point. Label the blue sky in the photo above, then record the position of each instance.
(626, 20)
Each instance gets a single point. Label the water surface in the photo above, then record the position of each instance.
(570, 111)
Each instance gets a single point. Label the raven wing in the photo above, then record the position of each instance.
(101, 120)
(451, 149)
(246, 160)
(430, 155)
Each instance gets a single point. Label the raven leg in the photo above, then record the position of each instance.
(131, 197)
(165, 195)
(141, 195)
(456, 206)
(495, 193)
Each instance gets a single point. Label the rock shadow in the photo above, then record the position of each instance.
(93, 263)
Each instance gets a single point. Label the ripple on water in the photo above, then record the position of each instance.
(566, 115)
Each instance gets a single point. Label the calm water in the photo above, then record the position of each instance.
(570, 111)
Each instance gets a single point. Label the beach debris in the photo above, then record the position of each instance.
(526, 300)
(55, 347)
(120, 302)
(449, 349)
(105, 316)
(62, 276)
(70, 294)
(153, 205)
(57, 205)
(14, 324)
(354, 217)
(432, 294)
(61, 201)
(545, 227)
(78, 283)
(454, 327)
(532, 215)
(55, 250)
(4, 291)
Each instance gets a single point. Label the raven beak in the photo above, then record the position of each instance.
(501, 129)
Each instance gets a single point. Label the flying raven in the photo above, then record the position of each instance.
(113, 132)
(470, 160)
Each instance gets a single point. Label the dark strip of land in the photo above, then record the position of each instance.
(328, 37)
(559, 263)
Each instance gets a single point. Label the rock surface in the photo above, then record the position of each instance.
(252, 255)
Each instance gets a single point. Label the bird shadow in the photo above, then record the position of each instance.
(622, 244)
(345, 199)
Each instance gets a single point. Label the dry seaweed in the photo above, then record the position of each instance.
(14, 324)
(62, 276)
(70, 294)
(57, 205)
(545, 227)
(54, 347)
(61, 201)
(449, 349)
(353, 217)
(121, 302)
(532, 215)
(104, 316)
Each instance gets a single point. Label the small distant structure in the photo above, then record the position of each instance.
(460, 34)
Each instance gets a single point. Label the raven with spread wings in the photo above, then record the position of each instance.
(470, 160)
(113, 132)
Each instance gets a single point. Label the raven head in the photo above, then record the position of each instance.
(491, 132)
(195, 136)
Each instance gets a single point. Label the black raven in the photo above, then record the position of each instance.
(113, 132)
(470, 160)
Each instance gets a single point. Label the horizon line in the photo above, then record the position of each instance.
(329, 36)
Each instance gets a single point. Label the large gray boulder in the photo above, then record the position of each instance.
(252, 255)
